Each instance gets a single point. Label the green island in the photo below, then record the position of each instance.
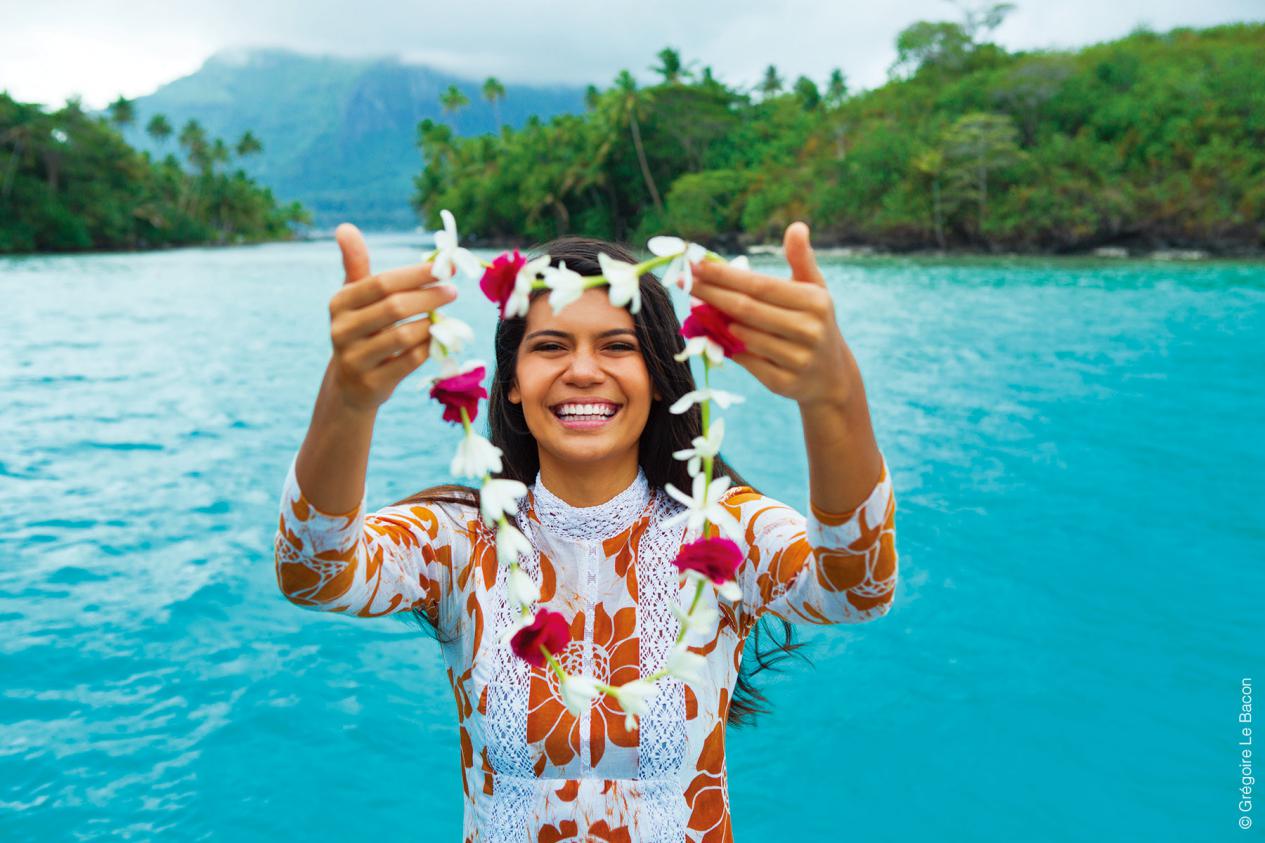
(70, 182)
(1153, 141)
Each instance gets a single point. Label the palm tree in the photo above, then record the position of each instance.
(193, 141)
(806, 91)
(670, 66)
(248, 144)
(453, 100)
(836, 88)
(122, 112)
(630, 102)
(494, 92)
(592, 96)
(219, 153)
(771, 84)
(158, 128)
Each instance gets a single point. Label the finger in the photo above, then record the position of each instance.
(767, 373)
(381, 346)
(799, 254)
(355, 253)
(791, 324)
(776, 291)
(398, 368)
(347, 328)
(368, 290)
(773, 348)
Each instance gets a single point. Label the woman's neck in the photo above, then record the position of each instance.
(588, 483)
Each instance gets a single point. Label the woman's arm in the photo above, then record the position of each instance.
(397, 559)
(838, 563)
(821, 568)
(330, 555)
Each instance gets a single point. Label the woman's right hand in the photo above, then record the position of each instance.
(372, 353)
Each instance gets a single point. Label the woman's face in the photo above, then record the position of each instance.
(586, 354)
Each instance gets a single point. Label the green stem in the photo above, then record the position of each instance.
(707, 461)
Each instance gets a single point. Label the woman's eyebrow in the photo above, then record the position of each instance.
(565, 335)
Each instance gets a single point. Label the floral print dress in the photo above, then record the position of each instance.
(531, 771)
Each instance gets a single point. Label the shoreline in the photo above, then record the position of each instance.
(826, 249)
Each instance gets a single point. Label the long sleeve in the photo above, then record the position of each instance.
(393, 560)
(820, 568)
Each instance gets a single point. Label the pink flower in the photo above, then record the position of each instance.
(499, 279)
(712, 323)
(458, 392)
(549, 630)
(715, 558)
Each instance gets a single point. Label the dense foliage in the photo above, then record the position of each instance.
(1155, 139)
(69, 181)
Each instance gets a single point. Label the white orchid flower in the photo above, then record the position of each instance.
(624, 283)
(525, 619)
(705, 506)
(679, 268)
(730, 590)
(448, 336)
(565, 285)
(699, 624)
(510, 543)
(632, 698)
(700, 346)
(578, 692)
(684, 665)
(476, 456)
(698, 396)
(499, 497)
(522, 588)
(449, 256)
(704, 447)
(520, 299)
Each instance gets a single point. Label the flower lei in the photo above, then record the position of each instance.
(712, 560)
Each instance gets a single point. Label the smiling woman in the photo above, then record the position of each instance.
(581, 407)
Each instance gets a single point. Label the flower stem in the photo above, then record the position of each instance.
(557, 668)
(707, 461)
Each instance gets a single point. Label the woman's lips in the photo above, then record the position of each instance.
(586, 423)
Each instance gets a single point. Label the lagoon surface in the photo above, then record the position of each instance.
(1079, 469)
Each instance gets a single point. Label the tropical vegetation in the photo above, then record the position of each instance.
(1156, 139)
(70, 182)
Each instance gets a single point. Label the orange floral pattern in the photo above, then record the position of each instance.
(530, 768)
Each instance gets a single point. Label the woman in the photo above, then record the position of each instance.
(579, 405)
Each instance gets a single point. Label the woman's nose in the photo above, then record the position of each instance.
(585, 367)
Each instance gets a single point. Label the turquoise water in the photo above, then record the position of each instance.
(1077, 453)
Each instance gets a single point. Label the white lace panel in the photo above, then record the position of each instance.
(590, 523)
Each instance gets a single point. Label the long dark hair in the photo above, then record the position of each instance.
(659, 334)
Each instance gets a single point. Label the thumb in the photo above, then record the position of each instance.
(799, 254)
(355, 253)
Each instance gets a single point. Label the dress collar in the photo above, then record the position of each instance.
(591, 523)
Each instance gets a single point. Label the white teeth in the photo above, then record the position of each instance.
(600, 410)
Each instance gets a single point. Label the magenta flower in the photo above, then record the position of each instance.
(458, 392)
(715, 558)
(712, 323)
(549, 630)
(498, 279)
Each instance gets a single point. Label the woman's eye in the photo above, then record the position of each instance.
(617, 346)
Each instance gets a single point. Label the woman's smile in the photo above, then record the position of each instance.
(585, 415)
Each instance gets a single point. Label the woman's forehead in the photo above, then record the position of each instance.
(591, 314)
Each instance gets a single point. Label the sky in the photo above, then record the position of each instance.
(52, 49)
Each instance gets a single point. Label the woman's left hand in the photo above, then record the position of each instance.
(794, 346)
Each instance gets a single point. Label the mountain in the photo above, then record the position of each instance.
(338, 134)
